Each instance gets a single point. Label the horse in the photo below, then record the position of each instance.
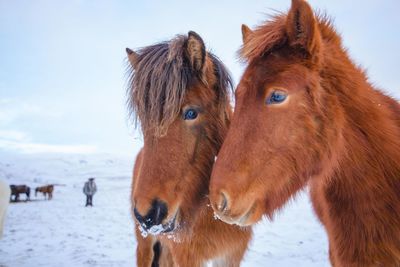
(20, 189)
(5, 193)
(179, 93)
(46, 190)
(306, 115)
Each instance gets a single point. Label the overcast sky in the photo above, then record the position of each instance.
(62, 64)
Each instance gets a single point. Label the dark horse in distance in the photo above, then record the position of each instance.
(20, 189)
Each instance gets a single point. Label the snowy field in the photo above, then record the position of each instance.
(62, 232)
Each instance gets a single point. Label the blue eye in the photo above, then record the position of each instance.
(276, 97)
(190, 114)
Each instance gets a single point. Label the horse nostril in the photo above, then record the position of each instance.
(223, 204)
(139, 217)
(158, 212)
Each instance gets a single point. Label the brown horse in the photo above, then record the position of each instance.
(47, 191)
(20, 189)
(306, 114)
(180, 95)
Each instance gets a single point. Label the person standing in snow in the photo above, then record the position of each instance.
(89, 189)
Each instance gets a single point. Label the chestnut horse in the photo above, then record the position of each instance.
(47, 191)
(179, 93)
(305, 114)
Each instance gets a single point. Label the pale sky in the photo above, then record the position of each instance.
(62, 66)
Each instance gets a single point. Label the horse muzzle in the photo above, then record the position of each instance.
(155, 222)
(226, 212)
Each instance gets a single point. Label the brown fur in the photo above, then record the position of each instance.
(176, 161)
(335, 132)
(47, 191)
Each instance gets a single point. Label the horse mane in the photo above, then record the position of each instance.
(271, 35)
(159, 82)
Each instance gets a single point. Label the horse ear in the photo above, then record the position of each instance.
(246, 32)
(132, 57)
(302, 27)
(196, 51)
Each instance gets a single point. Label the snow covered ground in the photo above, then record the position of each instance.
(62, 232)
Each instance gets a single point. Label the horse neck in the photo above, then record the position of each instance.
(221, 126)
(369, 145)
(204, 214)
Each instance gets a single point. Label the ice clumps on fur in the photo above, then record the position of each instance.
(174, 238)
(154, 230)
(143, 232)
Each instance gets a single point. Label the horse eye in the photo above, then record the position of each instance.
(190, 114)
(276, 97)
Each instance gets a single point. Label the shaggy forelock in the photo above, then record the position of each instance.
(159, 81)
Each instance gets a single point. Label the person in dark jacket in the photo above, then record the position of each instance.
(89, 189)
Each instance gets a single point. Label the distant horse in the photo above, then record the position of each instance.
(180, 95)
(5, 193)
(306, 114)
(20, 189)
(46, 190)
